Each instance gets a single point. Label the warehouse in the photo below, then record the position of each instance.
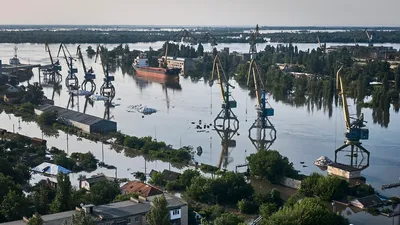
(85, 122)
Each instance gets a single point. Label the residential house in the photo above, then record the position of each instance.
(131, 212)
(86, 183)
(142, 189)
(367, 202)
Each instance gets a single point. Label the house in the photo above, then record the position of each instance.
(144, 190)
(119, 213)
(38, 141)
(367, 202)
(86, 183)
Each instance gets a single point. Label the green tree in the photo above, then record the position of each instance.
(47, 118)
(200, 50)
(157, 179)
(35, 220)
(212, 212)
(104, 192)
(159, 213)
(187, 177)
(80, 218)
(270, 165)
(228, 219)
(309, 211)
(247, 206)
(267, 209)
(63, 200)
(40, 199)
(13, 206)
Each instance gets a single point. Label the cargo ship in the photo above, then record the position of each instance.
(142, 68)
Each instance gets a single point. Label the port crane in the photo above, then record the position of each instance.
(182, 36)
(51, 73)
(262, 125)
(225, 123)
(322, 47)
(89, 74)
(208, 37)
(370, 38)
(107, 89)
(71, 81)
(355, 129)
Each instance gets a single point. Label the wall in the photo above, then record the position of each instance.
(84, 127)
(292, 183)
(103, 126)
(184, 215)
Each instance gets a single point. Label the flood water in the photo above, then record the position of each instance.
(303, 135)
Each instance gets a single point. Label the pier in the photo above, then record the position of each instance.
(389, 186)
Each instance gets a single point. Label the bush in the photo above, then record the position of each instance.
(327, 188)
(267, 209)
(247, 207)
(47, 118)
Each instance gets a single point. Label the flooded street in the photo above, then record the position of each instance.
(302, 135)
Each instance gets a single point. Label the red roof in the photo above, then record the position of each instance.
(144, 190)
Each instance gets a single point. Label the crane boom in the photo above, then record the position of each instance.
(65, 51)
(319, 43)
(47, 48)
(344, 100)
(79, 53)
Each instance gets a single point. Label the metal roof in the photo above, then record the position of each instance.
(72, 115)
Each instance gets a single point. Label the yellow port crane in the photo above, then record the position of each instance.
(226, 123)
(355, 129)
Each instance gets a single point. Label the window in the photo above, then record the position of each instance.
(175, 212)
(129, 220)
(136, 219)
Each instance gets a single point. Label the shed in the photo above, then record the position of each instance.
(170, 175)
(88, 182)
(367, 202)
(85, 122)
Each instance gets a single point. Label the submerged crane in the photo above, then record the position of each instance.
(89, 74)
(51, 73)
(355, 129)
(71, 81)
(107, 89)
(262, 124)
(208, 37)
(225, 123)
(370, 38)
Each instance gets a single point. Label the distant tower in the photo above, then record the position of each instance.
(253, 42)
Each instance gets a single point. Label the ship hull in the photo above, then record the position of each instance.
(157, 73)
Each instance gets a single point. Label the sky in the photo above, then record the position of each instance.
(202, 12)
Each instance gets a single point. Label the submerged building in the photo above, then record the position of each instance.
(85, 122)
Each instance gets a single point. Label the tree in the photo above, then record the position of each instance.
(309, 211)
(270, 165)
(159, 213)
(247, 206)
(157, 179)
(187, 177)
(228, 219)
(62, 201)
(35, 220)
(104, 192)
(13, 206)
(40, 199)
(47, 118)
(200, 50)
(266, 210)
(80, 218)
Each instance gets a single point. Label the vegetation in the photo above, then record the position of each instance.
(81, 218)
(104, 192)
(185, 180)
(35, 220)
(326, 187)
(229, 188)
(47, 118)
(152, 148)
(271, 166)
(62, 201)
(159, 213)
(309, 211)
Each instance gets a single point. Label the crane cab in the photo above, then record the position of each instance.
(231, 104)
(109, 79)
(355, 134)
(90, 76)
(57, 67)
(268, 112)
(73, 70)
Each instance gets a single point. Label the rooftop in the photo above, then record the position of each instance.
(144, 190)
(98, 178)
(109, 211)
(370, 201)
(72, 115)
(344, 167)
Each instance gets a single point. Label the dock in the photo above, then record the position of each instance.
(12, 68)
(389, 186)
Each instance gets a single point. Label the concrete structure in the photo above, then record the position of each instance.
(119, 213)
(186, 64)
(292, 183)
(343, 171)
(87, 123)
(86, 183)
(142, 189)
(367, 202)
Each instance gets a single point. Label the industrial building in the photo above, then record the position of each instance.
(120, 213)
(85, 122)
(186, 64)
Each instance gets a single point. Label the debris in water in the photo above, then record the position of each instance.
(143, 109)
